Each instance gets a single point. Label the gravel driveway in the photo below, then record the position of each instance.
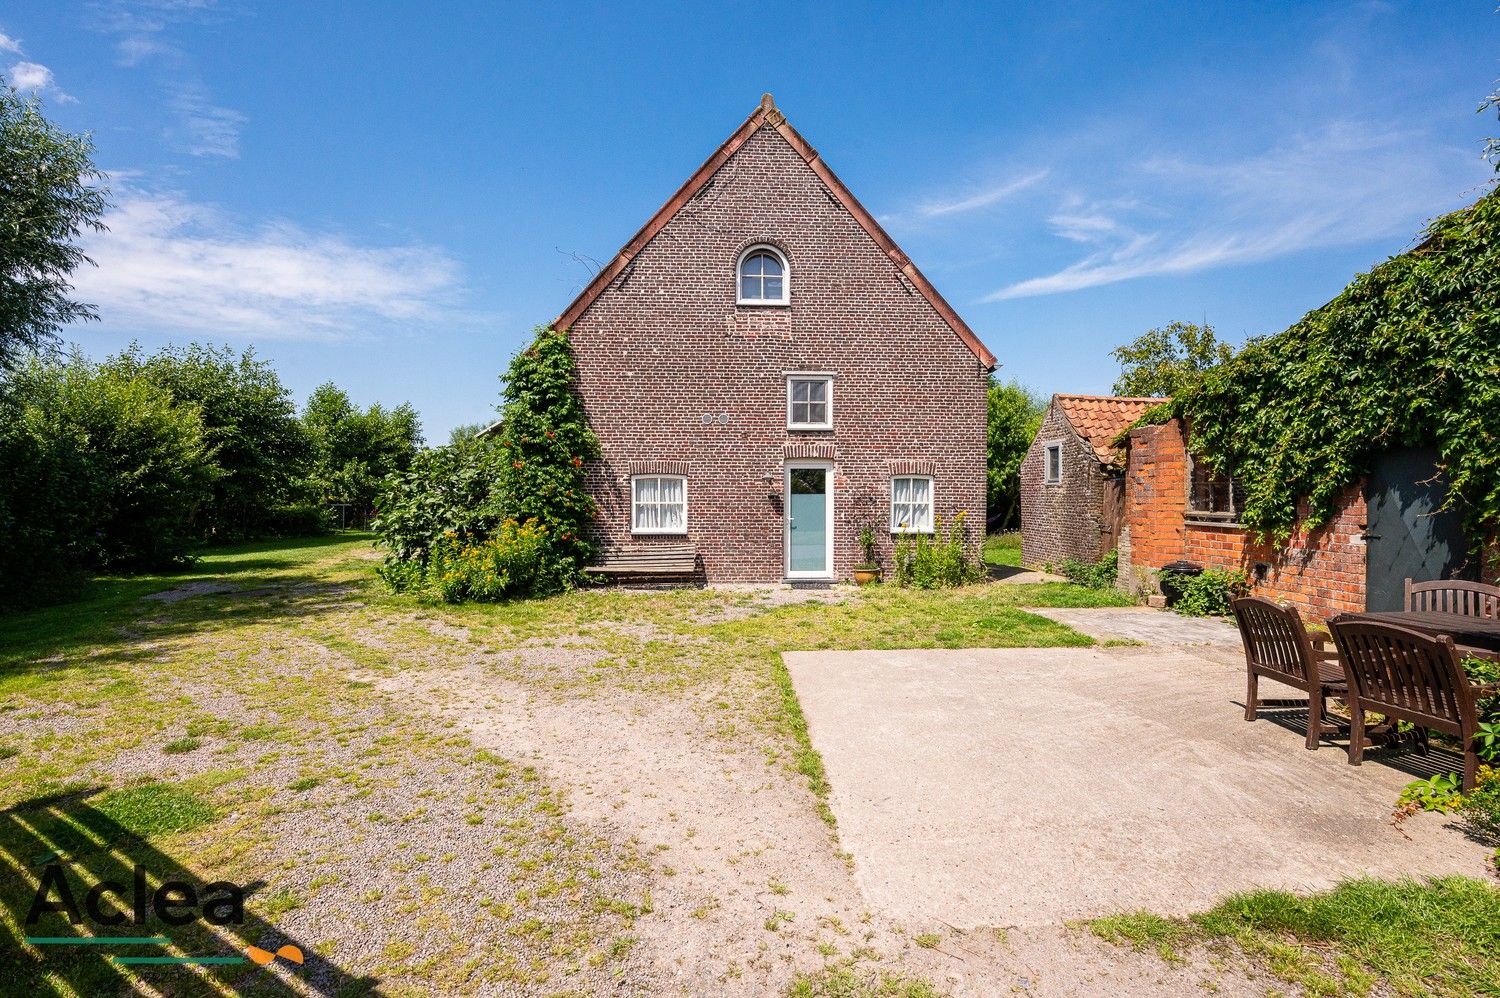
(1015, 787)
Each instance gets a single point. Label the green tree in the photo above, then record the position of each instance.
(249, 421)
(1166, 361)
(354, 451)
(49, 195)
(104, 469)
(465, 431)
(1014, 418)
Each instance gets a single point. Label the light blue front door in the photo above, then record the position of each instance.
(807, 521)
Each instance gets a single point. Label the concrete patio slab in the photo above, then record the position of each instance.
(1146, 625)
(1013, 787)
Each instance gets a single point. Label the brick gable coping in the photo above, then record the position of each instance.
(768, 114)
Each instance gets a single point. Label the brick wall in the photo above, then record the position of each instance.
(665, 345)
(1321, 572)
(1063, 520)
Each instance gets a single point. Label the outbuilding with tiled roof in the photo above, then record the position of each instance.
(1070, 479)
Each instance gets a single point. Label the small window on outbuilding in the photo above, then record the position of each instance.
(1212, 495)
(1053, 464)
(763, 277)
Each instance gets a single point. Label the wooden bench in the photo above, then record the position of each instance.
(655, 559)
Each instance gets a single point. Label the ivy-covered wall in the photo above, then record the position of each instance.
(1407, 355)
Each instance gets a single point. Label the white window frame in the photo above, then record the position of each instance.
(675, 531)
(896, 527)
(827, 379)
(1047, 451)
(786, 277)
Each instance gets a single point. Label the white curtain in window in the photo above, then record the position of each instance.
(672, 508)
(660, 504)
(911, 504)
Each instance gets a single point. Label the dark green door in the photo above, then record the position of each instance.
(1408, 535)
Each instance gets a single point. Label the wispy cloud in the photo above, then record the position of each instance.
(1345, 183)
(167, 263)
(981, 199)
(142, 27)
(9, 44)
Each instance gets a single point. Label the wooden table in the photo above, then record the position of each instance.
(1477, 634)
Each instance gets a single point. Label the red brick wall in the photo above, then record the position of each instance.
(1061, 521)
(1321, 572)
(665, 345)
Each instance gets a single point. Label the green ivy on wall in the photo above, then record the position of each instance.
(1407, 355)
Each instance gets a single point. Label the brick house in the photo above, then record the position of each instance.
(1071, 479)
(1387, 527)
(767, 372)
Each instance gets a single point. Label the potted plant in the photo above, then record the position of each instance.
(868, 570)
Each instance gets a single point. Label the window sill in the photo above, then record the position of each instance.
(1225, 520)
(911, 533)
(809, 428)
(763, 304)
(657, 533)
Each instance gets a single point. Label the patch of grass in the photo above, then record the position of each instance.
(846, 979)
(9, 751)
(1144, 931)
(155, 809)
(304, 784)
(1003, 549)
(928, 940)
(180, 745)
(1436, 937)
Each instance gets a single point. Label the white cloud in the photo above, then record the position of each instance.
(203, 127)
(170, 264)
(1347, 183)
(981, 199)
(27, 75)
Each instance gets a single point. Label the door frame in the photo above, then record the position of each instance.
(786, 518)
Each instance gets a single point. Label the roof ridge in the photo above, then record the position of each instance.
(767, 113)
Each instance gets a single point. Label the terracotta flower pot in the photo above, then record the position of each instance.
(865, 576)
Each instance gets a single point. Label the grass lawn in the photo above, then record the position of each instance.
(1003, 549)
(241, 730)
(283, 723)
(1440, 937)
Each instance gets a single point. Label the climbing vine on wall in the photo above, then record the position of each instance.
(1407, 355)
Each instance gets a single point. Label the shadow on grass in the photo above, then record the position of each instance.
(67, 834)
(269, 578)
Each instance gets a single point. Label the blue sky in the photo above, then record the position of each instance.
(391, 196)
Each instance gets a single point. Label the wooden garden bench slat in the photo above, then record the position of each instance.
(657, 559)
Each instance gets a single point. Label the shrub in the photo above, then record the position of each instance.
(1099, 575)
(530, 473)
(455, 488)
(298, 520)
(508, 564)
(103, 470)
(1480, 807)
(1206, 594)
(937, 561)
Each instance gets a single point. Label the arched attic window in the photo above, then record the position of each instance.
(763, 277)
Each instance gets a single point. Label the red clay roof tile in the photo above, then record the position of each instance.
(1098, 419)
